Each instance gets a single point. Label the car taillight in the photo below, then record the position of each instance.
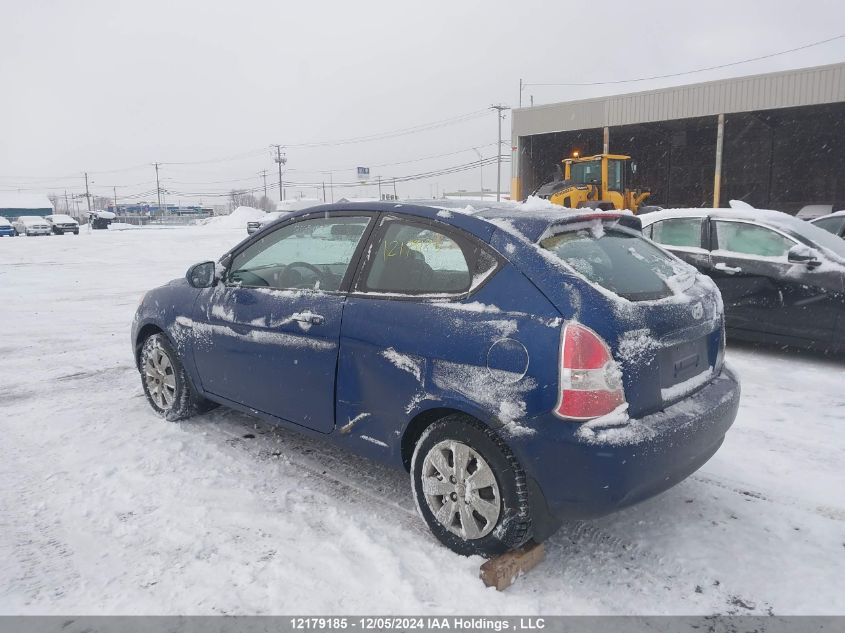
(590, 380)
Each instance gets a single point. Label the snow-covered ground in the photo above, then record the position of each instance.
(105, 508)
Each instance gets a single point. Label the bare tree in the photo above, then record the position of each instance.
(240, 198)
(265, 204)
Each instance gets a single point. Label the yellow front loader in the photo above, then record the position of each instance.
(598, 182)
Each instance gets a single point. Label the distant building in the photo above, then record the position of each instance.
(143, 208)
(14, 205)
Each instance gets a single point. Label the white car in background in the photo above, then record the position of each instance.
(32, 225)
(61, 224)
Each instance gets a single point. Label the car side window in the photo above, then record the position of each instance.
(834, 225)
(751, 239)
(311, 254)
(682, 232)
(418, 259)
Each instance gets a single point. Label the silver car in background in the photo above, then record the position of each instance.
(32, 225)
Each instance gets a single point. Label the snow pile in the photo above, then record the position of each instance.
(533, 203)
(237, 219)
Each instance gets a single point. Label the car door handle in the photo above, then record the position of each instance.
(728, 269)
(309, 317)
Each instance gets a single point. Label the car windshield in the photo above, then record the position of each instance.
(620, 261)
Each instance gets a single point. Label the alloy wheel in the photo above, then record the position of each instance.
(160, 378)
(461, 490)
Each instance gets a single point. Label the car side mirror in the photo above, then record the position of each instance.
(202, 275)
(803, 254)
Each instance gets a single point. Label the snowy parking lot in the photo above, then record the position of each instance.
(106, 508)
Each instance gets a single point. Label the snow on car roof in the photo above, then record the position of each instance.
(529, 219)
(835, 214)
(60, 217)
(30, 219)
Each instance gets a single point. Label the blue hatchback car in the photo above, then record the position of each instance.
(525, 366)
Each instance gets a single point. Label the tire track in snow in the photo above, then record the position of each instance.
(828, 512)
(576, 555)
(35, 552)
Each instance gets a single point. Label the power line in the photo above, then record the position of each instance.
(393, 134)
(688, 72)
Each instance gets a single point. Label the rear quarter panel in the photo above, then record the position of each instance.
(492, 356)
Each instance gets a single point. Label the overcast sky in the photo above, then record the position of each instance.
(110, 87)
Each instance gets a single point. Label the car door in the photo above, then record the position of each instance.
(683, 238)
(424, 318)
(762, 290)
(267, 336)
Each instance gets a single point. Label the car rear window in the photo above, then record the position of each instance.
(620, 261)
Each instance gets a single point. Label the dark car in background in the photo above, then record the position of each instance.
(526, 367)
(61, 224)
(782, 279)
(833, 223)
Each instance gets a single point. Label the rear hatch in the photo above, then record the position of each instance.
(661, 319)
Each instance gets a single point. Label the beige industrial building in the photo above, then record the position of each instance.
(775, 140)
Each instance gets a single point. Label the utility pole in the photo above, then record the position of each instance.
(395, 197)
(280, 160)
(67, 204)
(499, 108)
(264, 175)
(331, 185)
(87, 194)
(115, 198)
(324, 192)
(158, 187)
(481, 168)
(379, 187)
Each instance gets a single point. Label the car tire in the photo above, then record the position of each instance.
(461, 514)
(165, 381)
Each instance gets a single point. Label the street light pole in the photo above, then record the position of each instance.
(499, 108)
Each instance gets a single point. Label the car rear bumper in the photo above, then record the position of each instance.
(585, 471)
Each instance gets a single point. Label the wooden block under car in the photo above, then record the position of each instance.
(500, 572)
